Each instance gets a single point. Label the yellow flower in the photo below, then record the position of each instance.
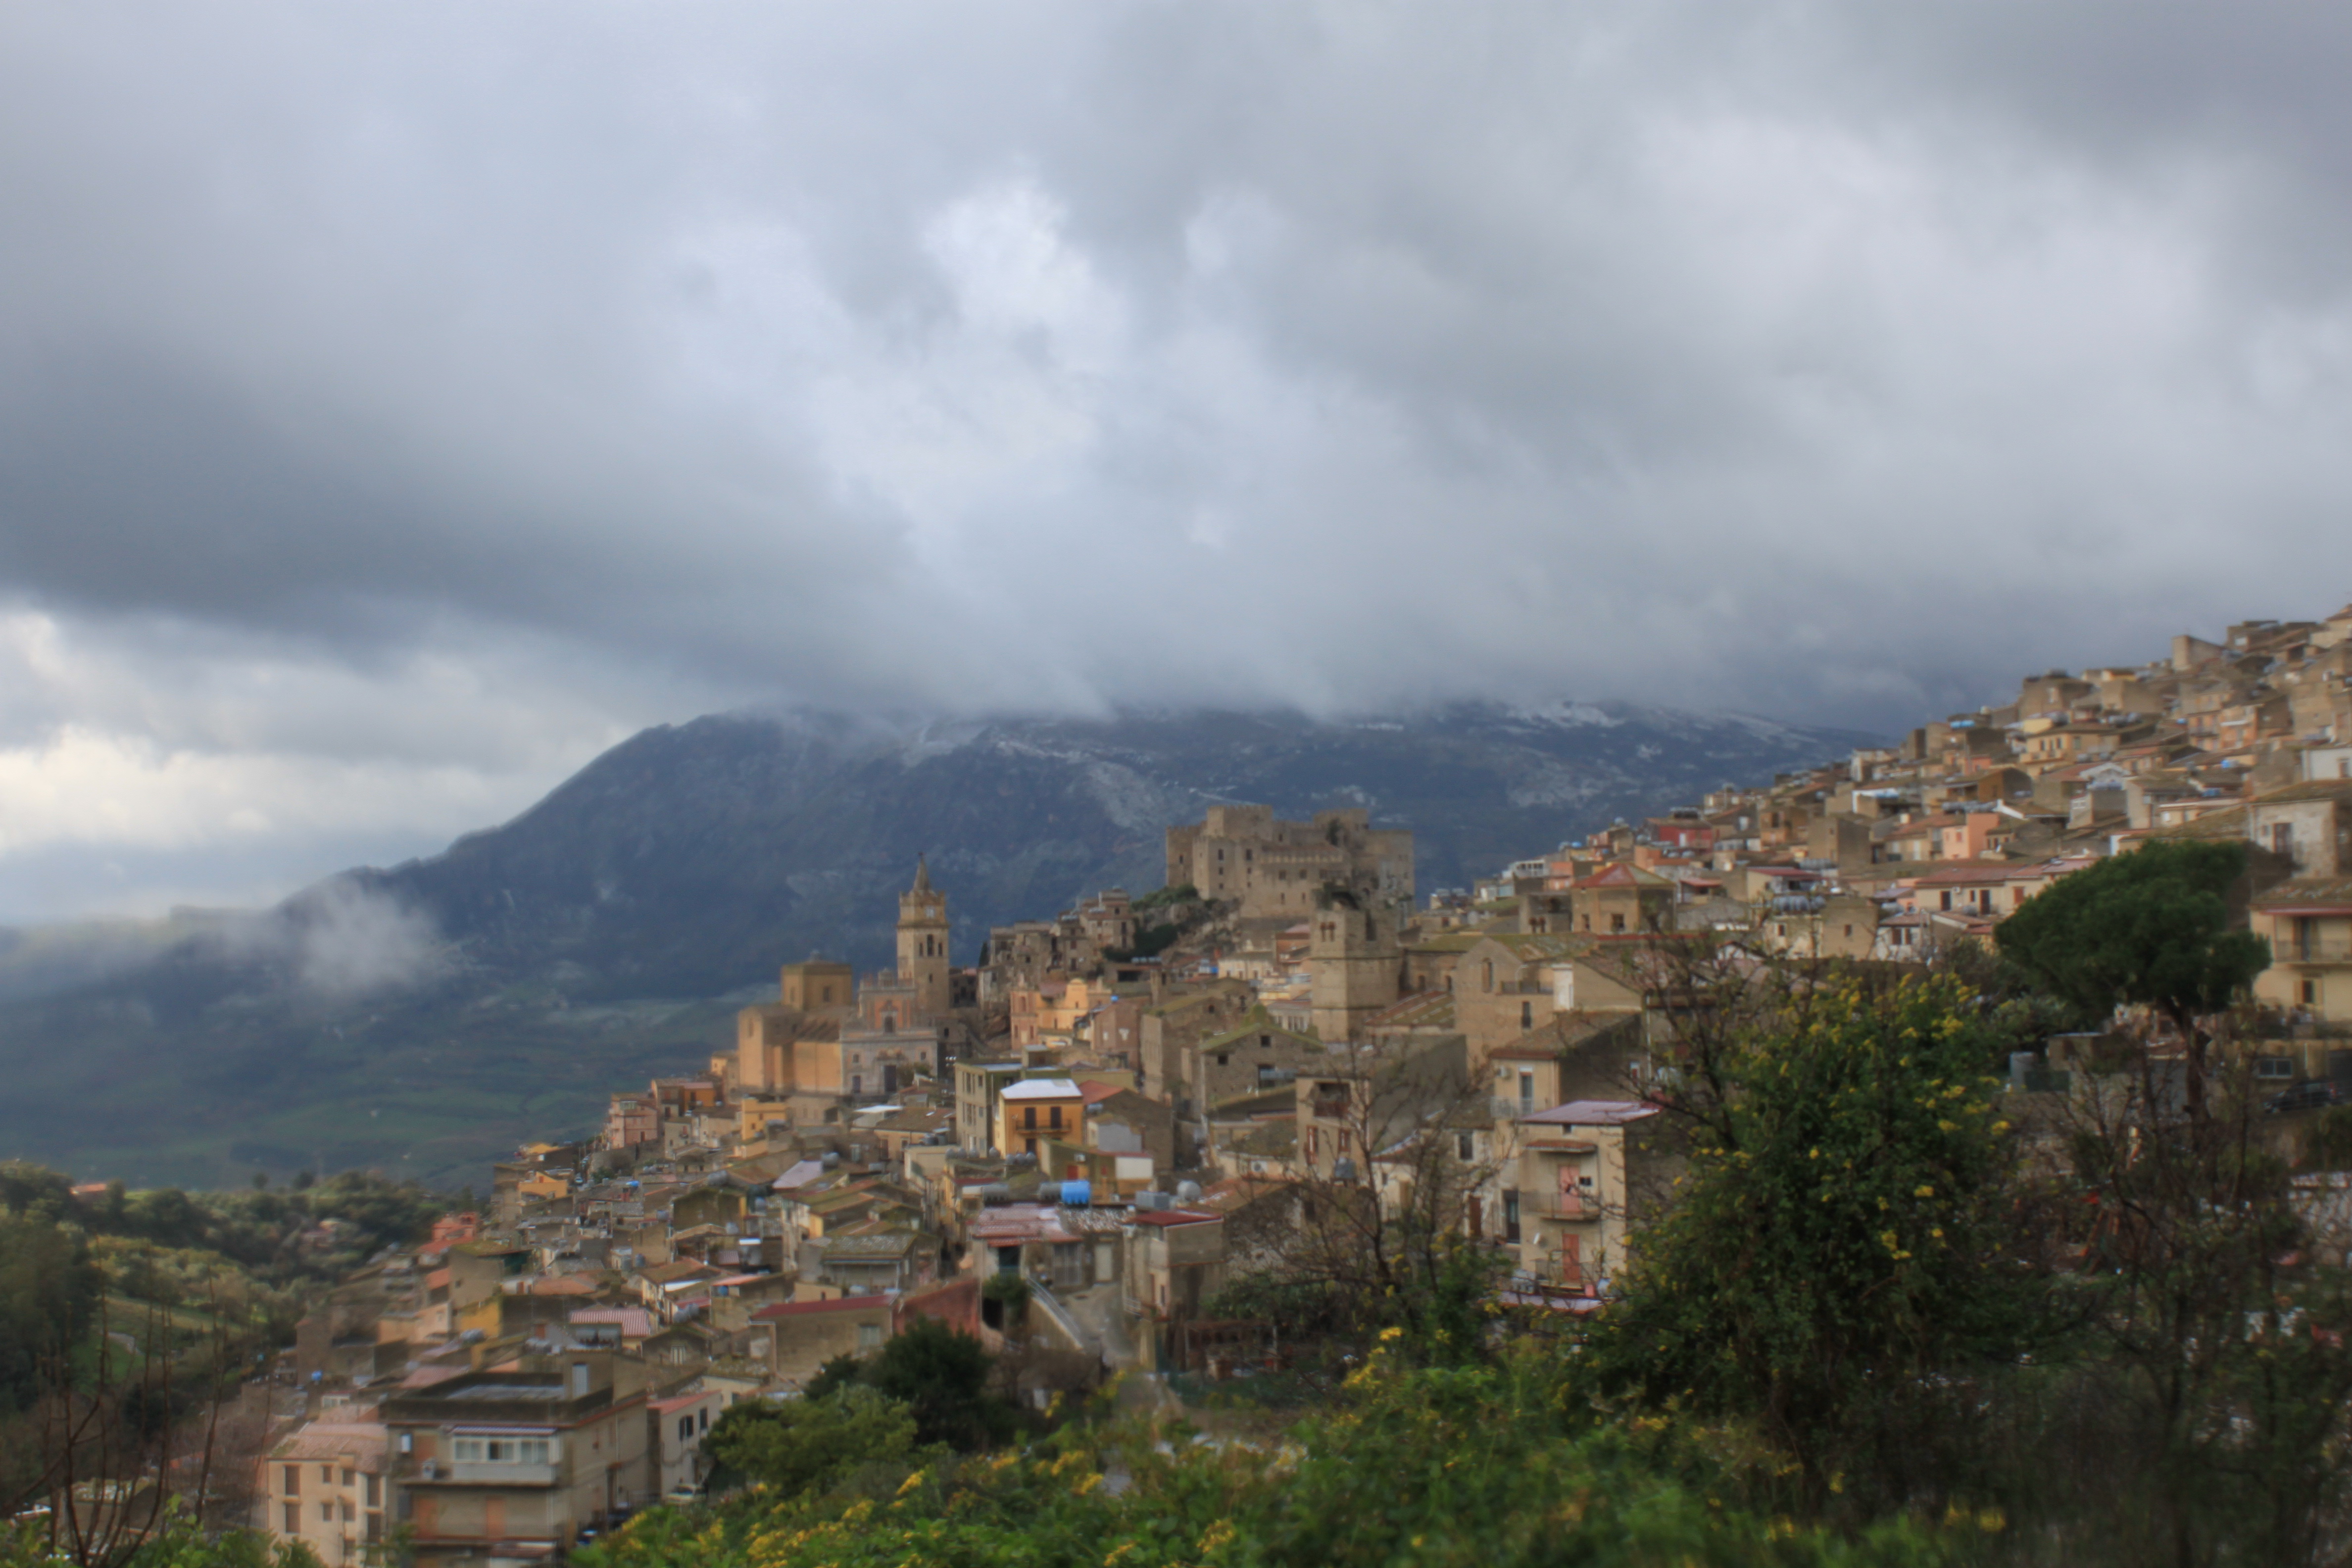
(1392, 1332)
(1922, 1192)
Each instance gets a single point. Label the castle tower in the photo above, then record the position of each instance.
(923, 942)
(1353, 962)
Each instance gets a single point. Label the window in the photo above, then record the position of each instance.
(326, 1475)
(705, 1418)
(686, 1428)
(348, 1476)
(1510, 1215)
(294, 1479)
(1486, 975)
(1526, 1017)
(1464, 1146)
(1028, 1116)
(499, 1450)
(374, 1489)
(869, 1337)
(1617, 923)
(1053, 1113)
(293, 1519)
(2283, 837)
(326, 1511)
(2273, 1066)
(2311, 993)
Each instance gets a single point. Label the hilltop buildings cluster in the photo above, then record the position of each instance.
(1126, 1104)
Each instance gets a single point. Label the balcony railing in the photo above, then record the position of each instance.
(1561, 1206)
(1329, 1108)
(1508, 1108)
(479, 1473)
(2318, 950)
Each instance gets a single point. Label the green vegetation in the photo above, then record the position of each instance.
(799, 1445)
(1489, 1464)
(1845, 1242)
(431, 1088)
(178, 1541)
(2151, 929)
(938, 1375)
(239, 1265)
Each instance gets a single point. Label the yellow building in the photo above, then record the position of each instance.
(1572, 1208)
(325, 1487)
(2308, 923)
(1039, 1108)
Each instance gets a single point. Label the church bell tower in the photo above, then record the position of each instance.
(923, 942)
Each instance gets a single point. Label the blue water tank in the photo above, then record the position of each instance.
(1077, 1195)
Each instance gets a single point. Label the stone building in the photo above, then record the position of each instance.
(1241, 854)
(1354, 965)
(515, 1462)
(923, 944)
(325, 1487)
(825, 1042)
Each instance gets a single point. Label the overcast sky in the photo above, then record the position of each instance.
(401, 403)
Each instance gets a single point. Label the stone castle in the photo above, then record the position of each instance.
(1275, 869)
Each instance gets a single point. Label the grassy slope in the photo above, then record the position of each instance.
(432, 1090)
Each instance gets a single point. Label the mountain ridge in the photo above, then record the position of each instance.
(425, 1015)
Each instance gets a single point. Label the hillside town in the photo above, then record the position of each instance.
(1130, 1106)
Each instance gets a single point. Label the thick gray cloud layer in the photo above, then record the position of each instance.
(397, 403)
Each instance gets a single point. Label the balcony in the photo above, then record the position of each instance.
(2315, 950)
(1329, 1108)
(478, 1473)
(1509, 1110)
(1560, 1205)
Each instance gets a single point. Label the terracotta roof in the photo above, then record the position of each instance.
(1591, 1113)
(1422, 1010)
(2316, 789)
(809, 1308)
(2227, 822)
(1159, 1218)
(2307, 895)
(1619, 875)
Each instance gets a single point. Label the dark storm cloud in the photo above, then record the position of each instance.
(1837, 361)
